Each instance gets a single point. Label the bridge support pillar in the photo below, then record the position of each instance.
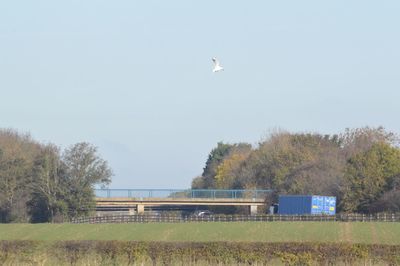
(253, 209)
(140, 208)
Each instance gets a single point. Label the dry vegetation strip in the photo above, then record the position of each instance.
(87, 253)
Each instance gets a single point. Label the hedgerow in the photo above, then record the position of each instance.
(21, 252)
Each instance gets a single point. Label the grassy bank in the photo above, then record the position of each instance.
(270, 232)
(180, 253)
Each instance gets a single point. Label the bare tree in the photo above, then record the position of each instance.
(16, 158)
(48, 187)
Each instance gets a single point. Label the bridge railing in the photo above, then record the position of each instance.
(183, 193)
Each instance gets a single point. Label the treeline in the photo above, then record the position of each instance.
(361, 167)
(42, 183)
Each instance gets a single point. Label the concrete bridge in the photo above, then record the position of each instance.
(137, 200)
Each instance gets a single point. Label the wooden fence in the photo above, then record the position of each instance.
(148, 218)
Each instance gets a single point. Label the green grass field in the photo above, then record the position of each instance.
(356, 232)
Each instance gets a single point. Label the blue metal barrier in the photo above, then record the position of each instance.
(182, 193)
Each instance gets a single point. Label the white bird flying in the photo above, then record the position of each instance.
(217, 66)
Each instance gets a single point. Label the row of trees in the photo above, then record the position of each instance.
(41, 183)
(361, 167)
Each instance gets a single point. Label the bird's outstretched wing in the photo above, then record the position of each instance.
(216, 62)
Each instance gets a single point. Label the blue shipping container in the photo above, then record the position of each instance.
(309, 204)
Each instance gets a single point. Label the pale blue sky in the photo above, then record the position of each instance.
(134, 77)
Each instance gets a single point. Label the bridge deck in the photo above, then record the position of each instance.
(125, 202)
(138, 199)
